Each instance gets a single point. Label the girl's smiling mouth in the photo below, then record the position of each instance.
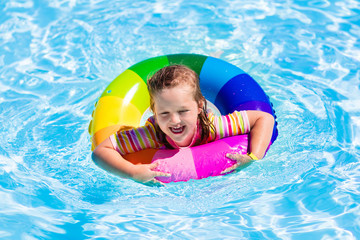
(177, 130)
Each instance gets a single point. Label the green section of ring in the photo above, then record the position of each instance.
(145, 69)
(124, 84)
(193, 61)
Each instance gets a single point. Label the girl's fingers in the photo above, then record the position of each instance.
(240, 158)
(161, 174)
(232, 168)
(236, 157)
(153, 165)
(155, 183)
(241, 161)
(158, 183)
(231, 156)
(157, 173)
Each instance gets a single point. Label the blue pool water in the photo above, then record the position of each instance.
(56, 57)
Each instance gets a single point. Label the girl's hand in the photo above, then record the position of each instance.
(144, 174)
(241, 160)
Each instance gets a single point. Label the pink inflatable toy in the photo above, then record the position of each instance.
(200, 161)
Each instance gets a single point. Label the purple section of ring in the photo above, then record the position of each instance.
(260, 106)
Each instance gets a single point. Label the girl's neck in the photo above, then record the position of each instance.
(193, 141)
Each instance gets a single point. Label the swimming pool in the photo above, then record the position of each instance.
(56, 58)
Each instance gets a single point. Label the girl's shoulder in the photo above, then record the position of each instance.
(150, 120)
(237, 120)
(212, 116)
(129, 130)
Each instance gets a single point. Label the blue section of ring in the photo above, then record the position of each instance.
(242, 93)
(214, 74)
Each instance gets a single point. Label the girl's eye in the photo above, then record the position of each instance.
(183, 111)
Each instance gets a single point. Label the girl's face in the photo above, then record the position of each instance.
(176, 112)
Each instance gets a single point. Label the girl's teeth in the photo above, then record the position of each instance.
(177, 130)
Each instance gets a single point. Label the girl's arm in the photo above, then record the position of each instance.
(106, 157)
(261, 129)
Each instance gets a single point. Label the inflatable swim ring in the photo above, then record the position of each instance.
(125, 102)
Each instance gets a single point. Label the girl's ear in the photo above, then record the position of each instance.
(201, 106)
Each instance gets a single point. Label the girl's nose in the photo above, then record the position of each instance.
(175, 118)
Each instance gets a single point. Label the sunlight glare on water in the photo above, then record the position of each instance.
(57, 57)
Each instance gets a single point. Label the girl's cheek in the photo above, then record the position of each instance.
(163, 118)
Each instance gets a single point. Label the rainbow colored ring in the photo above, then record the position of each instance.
(126, 99)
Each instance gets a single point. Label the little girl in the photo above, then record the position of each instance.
(180, 120)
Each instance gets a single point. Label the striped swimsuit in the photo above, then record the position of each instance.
(144, 137)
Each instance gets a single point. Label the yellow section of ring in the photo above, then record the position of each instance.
(115, 111)
(122, 103)
(131, 88)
